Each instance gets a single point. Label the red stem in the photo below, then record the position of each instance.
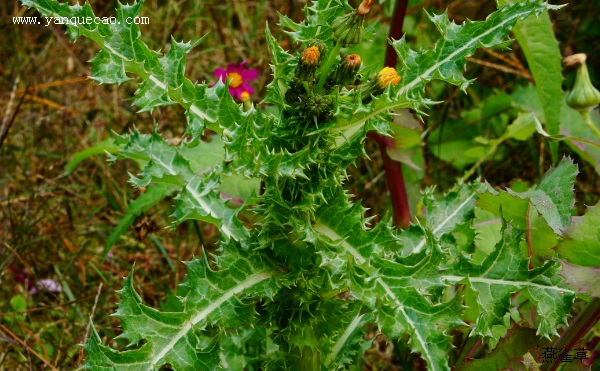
(393, 169)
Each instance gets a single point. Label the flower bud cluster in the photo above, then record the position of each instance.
(349, 30)
(311, 104)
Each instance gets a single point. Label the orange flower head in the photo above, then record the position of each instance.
(311, 56)
(353, 60)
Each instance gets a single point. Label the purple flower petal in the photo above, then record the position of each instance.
(231, 67)
(219, 73)
(249, 74)
(237, 92)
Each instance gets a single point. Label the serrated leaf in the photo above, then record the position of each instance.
(581, 245)
(201, 199)
(320, 15)
(446, 61)
(343, 346)
(444, 215)
(553, 198)
(214, 297)
(163, 80)
(505, 272)
(200, 196)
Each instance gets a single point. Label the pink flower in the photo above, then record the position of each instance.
(238, 76)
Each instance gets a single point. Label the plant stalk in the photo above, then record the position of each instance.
(327, 67)
(310, 360)
(585, 320)
(587, 119)
(393, 169)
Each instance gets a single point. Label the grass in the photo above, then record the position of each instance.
(54, 225)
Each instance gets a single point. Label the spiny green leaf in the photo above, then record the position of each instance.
(200, 195)
(447, 60)
(163, 80)
(200, 199)
(320, 16)
(347, 342)
(505, 272)
(213, 297)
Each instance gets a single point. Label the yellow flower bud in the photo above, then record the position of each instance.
(387, 76)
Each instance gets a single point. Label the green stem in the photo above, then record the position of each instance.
(327, 67)
(310, 360)
(587, 119)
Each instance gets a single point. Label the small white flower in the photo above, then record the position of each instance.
(48, 284)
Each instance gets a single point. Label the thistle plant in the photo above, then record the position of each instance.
(297, 288)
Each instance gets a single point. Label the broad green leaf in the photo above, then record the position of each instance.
(553, 199)
(18, 303)
(585, 279)
(573, 127)
(223, 298)
(143, 203)
(581, 239)
(536, 37)
(522, 128)
(98, 149)
(543, 239)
